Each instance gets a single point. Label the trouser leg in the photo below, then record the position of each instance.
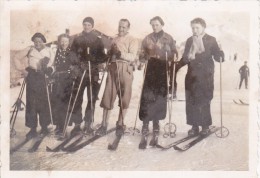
(241, 81)
(246, 82)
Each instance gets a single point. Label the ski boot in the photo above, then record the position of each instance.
(174, 96)
(145, 132)
(120, 129)
(58, 133)
(156, 128)
(58, 130)
(76, 130)
(193, 131)
(32, 133)
(205, 130)
(102, 130)
(87, 128)
(44, 131)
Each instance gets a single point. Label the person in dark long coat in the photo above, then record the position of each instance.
(200, 51)
(65, 60)
(153, 104)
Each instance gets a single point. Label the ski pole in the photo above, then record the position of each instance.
(74, 102)
(91, 94)
(69, 105)
(168, 92)
(173, 76)
(172, 134)
(169, 124)
(91, 91)
(103, 76)
(139, 103)
(48, 98)
(120, 93)
(224, 132)
(220, 84)
(18, 102)
(16, 108)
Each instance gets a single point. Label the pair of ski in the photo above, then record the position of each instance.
(240, 102)
(34, 147)
(77, 144)
(190, 144)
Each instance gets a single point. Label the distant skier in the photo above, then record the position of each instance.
(235, 57)
(40, 60)
(244, 74)
(153, 104)
(123, 54)
(200, 50)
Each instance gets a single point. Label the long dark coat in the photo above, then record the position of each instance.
(62, 87)
(154, 95)
(199, 81)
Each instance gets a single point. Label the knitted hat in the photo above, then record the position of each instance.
(90, 20)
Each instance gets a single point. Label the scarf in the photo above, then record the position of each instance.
(158, 35)
(197, 46)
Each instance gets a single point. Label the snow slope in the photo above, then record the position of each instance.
(230, 154)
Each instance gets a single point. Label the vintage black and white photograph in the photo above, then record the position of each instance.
(130, 86)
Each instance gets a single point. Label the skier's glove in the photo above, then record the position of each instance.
(44, 62)
(114, 51)
(48, 71)
(222, 56)
(88, 56)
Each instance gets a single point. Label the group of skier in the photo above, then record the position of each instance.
(75, 67)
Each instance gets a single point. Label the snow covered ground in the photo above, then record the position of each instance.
(213, 153)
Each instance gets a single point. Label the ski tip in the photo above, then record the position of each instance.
(64, 149)
(177, 148)
(48, 149)
(160, 146)
(111, 147)
(31, 150)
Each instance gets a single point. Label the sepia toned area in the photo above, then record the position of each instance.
(231, 29)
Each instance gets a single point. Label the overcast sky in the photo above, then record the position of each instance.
(230, 28)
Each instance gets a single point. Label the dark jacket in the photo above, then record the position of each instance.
(64, 59)
(244, 71)
(95, 44)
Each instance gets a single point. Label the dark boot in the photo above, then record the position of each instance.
(58, 130)
(205, 130)
(193, 131)
(32, 133)
(44, 131)
(120, 129)
(87, 128)
(76, 130)
(156, 129)
(102, 130)
(145, 133)
(174, 96)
